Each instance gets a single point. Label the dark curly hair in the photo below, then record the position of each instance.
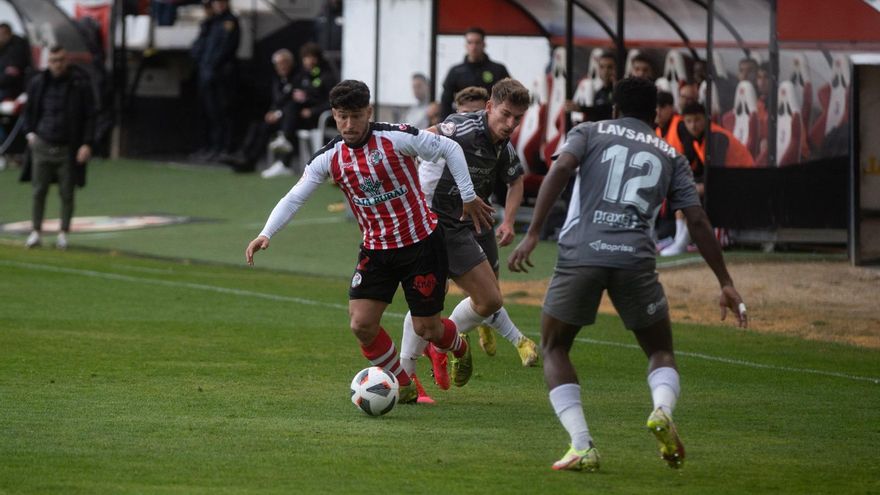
(636, 97)
(350, 95)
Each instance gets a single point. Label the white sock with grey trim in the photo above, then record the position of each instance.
(465, 317)
(566, 401)
(665, 388)
(411, 345)
(501, 322)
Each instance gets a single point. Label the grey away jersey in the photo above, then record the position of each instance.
(625, 172)
(487, 163)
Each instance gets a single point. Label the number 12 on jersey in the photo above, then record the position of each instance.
(629, 193)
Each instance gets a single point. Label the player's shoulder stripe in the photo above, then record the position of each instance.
(389, 127)
(324, 149)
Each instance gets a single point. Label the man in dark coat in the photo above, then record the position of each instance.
(14, 59)
(254, 144)
(310, 98)
(215, 51)
(476, 70)
(59, 122)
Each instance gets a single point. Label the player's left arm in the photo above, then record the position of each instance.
(505, 232)
(703, 236)
(683, 196)
(512, 174)
(432, 147)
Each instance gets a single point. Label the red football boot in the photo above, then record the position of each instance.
(439, 361)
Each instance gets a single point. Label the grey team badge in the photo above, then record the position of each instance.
(375, 157)
(356, 280)
(447, 128)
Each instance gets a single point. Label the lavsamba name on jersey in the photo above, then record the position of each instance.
(633, 135)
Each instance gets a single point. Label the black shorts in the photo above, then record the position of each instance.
(422, 269)
(466, 249)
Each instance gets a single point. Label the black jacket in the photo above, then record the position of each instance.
(484, 74)
(317, 84)
(16, 53)
(80, 108)
(216, 47)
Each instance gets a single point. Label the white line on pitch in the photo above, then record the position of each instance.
(311, 302)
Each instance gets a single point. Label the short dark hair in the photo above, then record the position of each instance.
(642, 58)
(471, 93)
(511, 91)
(693, 108)
(311, 49)
(608, 54)
(420, 76)
(476, 30)
(636, 97)
(664, 99)
(749, 60)
(350, 95)
(6, 26)
(56, 49)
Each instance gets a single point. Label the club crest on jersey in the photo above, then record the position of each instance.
(371, 187)
(375, 157)
(447, 128)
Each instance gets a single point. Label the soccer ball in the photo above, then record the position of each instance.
(374, 391)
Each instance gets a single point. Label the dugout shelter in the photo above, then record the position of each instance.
(801, 192)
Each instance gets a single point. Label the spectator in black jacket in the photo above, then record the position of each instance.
(59, 122)
(476, 70)
(14, 59)
(311, 97)
(257, 137)
(214, 51)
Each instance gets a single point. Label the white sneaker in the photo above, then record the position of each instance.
(33, 240)
(276, 170)
(673, 249)
(678, 246)
(61, 241)
(280, 145)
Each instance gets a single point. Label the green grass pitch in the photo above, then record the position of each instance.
(126, 374)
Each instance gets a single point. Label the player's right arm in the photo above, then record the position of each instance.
(314, 175)
(551, 187)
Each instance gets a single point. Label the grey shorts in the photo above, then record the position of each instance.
(466, 249)
(575, 292)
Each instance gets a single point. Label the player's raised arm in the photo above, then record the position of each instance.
(432, 146)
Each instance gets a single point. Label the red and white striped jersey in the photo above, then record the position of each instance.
(381, 182)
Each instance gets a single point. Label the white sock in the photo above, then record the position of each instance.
(501, 322)
(411, 346)
(682, 236)
(566, 401)
(665, 388)
(464, 316)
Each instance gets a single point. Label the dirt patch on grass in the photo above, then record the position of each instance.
(827, 301)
